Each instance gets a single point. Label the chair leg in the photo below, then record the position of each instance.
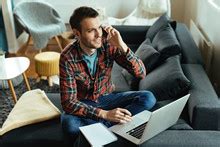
(58, 42)
(24, 48)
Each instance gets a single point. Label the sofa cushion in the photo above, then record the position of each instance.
(43, 134)
(166, 43)
(149, 56)
(163, 21)
(181, 124)
(167, 80)
(118, 79)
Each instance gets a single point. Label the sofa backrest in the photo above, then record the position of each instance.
(191, 53)
(135, 35)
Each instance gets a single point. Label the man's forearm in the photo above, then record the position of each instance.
(123, 47)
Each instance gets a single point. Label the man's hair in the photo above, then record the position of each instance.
(80, 14)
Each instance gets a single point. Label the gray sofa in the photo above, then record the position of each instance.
(199, 121)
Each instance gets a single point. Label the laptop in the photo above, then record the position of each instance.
(146, 124)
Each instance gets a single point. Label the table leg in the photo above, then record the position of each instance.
(26, 81)
(12, 90)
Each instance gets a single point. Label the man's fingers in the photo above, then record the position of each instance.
(119, 115)
(125, 115)
(125, 111)
(110, 30)
(125, 119)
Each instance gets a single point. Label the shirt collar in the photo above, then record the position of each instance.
(80, 53)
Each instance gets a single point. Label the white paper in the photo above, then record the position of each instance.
(97, 134)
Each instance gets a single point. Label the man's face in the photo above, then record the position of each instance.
(91, 33)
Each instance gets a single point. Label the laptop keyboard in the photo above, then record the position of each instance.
(138, 131)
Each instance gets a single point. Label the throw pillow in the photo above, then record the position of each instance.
(166, 43)
(160, 23)
(149, 56)
(163, 21)
(167, 81)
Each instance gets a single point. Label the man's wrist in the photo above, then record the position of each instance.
(123, 47)
(102, 114)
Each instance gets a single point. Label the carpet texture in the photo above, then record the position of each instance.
(7, 103)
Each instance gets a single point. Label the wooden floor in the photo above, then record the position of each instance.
(30, 52)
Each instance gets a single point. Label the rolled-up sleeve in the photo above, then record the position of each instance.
(130, 62)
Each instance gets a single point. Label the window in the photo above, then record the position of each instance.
(215, 3)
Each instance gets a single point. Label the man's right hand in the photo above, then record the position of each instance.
(118, 115)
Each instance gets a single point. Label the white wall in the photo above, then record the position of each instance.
(116, 8)
(177, 10)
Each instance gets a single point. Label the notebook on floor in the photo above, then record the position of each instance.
(146, 124)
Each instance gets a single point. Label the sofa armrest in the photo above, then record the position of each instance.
(191, 53)
(203, 104)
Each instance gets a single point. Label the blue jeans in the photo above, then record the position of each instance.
(133, 101)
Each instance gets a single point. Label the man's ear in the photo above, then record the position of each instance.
(76, 32)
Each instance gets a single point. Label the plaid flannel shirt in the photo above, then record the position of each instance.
(76, 82)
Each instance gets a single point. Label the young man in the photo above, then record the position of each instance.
(85, 76)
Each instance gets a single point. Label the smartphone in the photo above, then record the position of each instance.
(104, 33)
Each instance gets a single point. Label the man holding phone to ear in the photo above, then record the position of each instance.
(85, 76)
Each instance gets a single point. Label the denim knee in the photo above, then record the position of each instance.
(147, 99)
(70, 125)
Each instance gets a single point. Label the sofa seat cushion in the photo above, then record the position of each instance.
(43, 134)
(167, 81)
(181, 124)
(172, 138)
